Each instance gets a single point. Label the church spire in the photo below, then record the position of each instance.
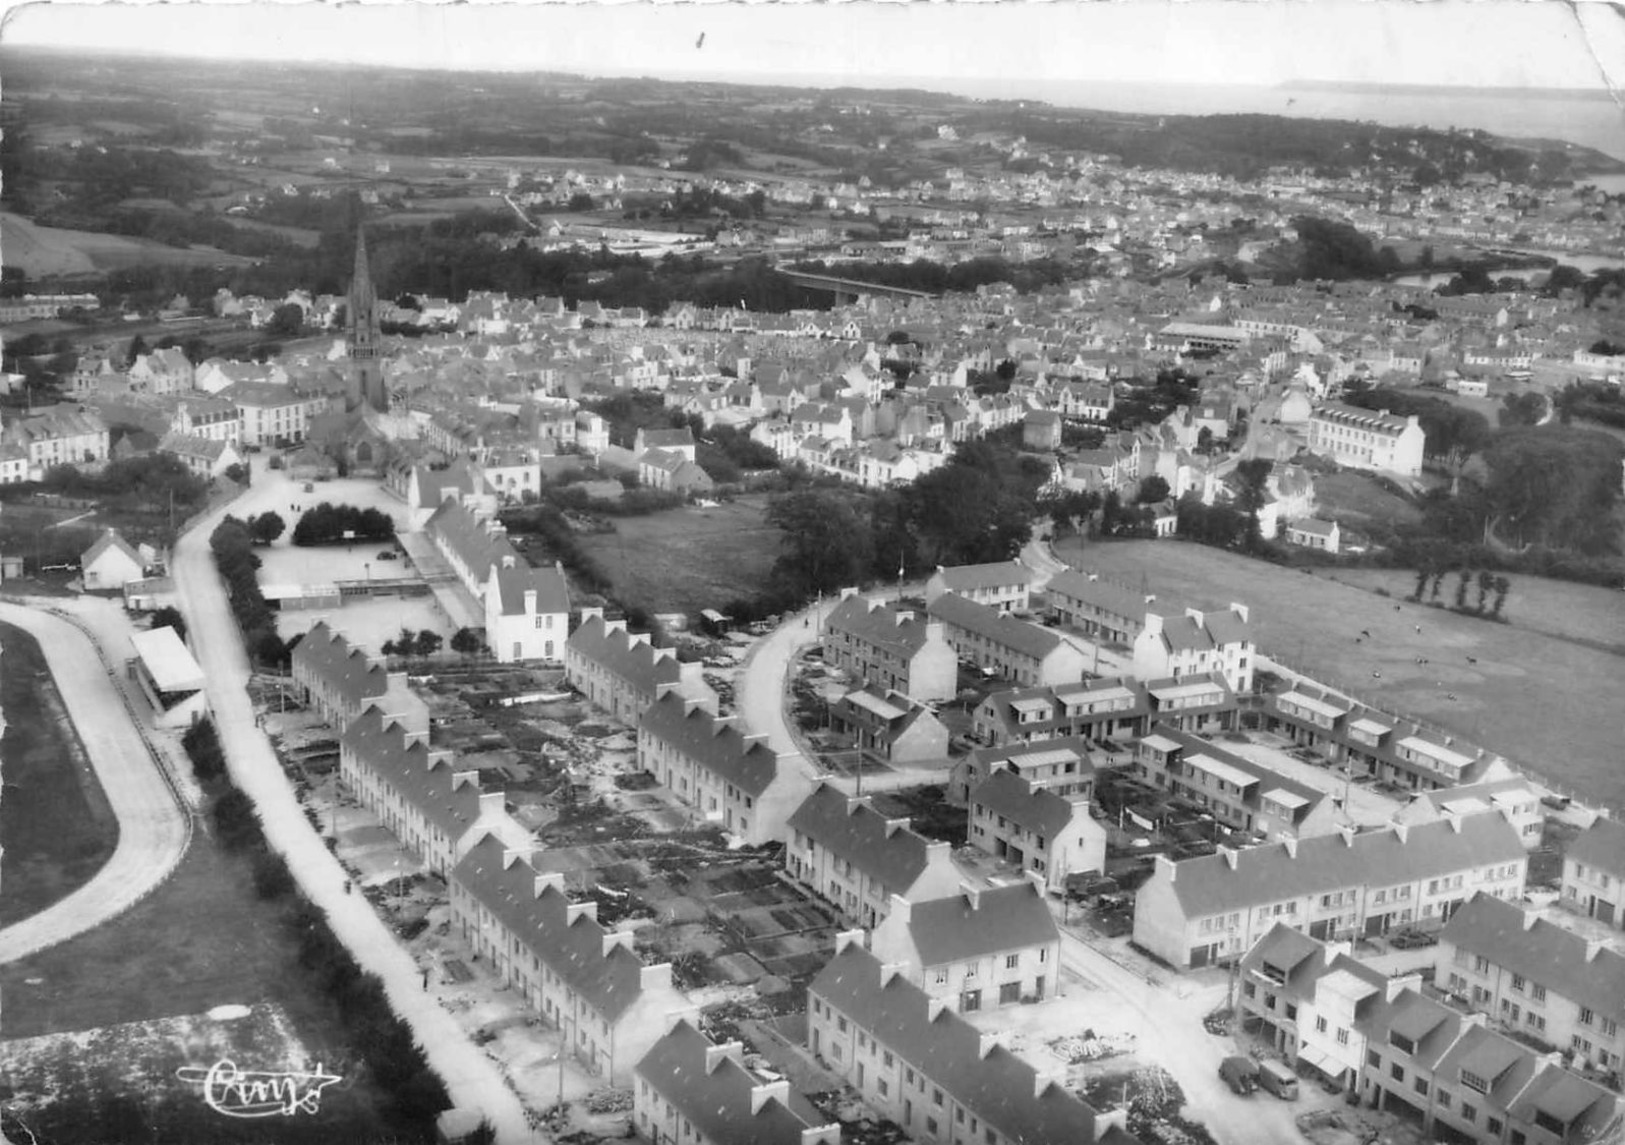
(361, 279)
(364, 334)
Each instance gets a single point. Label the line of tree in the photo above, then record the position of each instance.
(330, 524)
(1489, 584)
(411, 644)
(389, 1052)
(233, 547)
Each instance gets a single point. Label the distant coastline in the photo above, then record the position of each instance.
(1352, 87)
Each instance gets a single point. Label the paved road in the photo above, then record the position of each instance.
(471, 1078)
(760, 698)
(154, 829)
(1171, 1034)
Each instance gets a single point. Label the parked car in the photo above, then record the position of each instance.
(1240, 1074)
(1411, 939)
(389, 555)
(1278, 1079)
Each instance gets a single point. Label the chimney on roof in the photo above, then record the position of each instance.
(509, 560)
(851, 590)
(593, 613)
(1240, 610)
(901, 909)
(1229, 855)
(760, 1095)
(716, 1055)
(986, 1041)
(1348, 834)
(1529, 920)
(614, 938)
(1393, 987)
(821, 1135)
(973, 895)
(895, 825)
(554, 880)
(934, 1008)
(938, 852)
(671, 1018)
(1291, 845)
(904, 617)
(854, 802)
(1454, 820)
(653, 978)
(1593, 948)
(845, 938)
(1042, 1082)
(1402, 831)
(890, 970)
(1165, 865)
(575, 910)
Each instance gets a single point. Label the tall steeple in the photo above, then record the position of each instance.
(367, 375)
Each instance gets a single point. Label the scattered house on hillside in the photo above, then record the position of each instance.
(980, 948)
(847, 853)
(1313, 533)
(110, 564)
(730, 778)
(1036, 829)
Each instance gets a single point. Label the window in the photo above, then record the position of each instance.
(1481, 965)
(1396, 1071)
(931, 1126)
(886, 1059)
(1320, 1025)
(1442, 1096)
(881, 1086)
(1538, 993)
(1011, 961)
(1474, 1082)
(840, 1024)
(1373, 1058)
(908, 1076)
(1586, 1016)
(1493, 1124)
(1468, 1113)
(1421, 1086)
(936, 1096)
(1342, 1035)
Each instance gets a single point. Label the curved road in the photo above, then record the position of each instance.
(154, 829)
(471, 1078)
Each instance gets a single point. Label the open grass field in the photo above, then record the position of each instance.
(1354, 500)
(55, 824)
(43, 252)
(687, 559)
(1544, 701)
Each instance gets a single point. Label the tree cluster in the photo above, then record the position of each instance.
(1433, 572)
(1449, 428)
(411, 644)
(329, 524)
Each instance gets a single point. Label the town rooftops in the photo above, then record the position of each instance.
(745, 761)
(1568, 1099)
(480, 544)
(1229, 880)
(887, 850)
(567, 938)
(1590, 974)
(1380, 421)
(998, 628)
(426, 780)
(976, 923)
(996, 1085)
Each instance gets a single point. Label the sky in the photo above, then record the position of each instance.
(1516, 43)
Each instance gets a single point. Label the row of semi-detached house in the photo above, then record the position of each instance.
(1370, 742)
(1025, 653)
(1211, 909)
(1403, 1048)
(916, 1061)
(624, 673)
(1104, 708)
(339, 681)
(581, 977)
(732, 779)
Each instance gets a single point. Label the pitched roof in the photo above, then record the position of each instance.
(878, 625)
(348, 670)
(851, 829)
(552, 592)
(1037, 809)
(717, 1100)
(425, 780)
(1600, 845)
(715, 744)
(1542, 951)
(480, 546)
(974, 925)
(574, 950)
(109, 541)
(1101, 594)
(965, 578)
(1208, 884)
(998, 1087)
(632, 659)
(999, 628)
